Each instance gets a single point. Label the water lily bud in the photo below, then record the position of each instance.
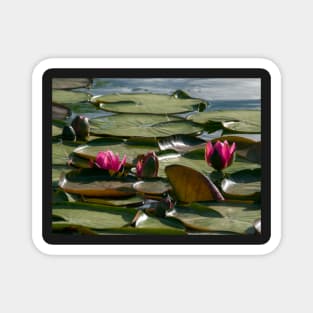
(220, 155)
(81, 126)
(109, 161)
(68, 133)
(147, 165)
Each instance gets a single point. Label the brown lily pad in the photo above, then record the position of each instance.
(190, 185)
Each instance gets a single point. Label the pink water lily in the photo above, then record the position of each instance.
(147, 165)
(220, 155)
(107, 160)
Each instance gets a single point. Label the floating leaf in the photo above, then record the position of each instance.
(153, 186)
(148, 103)
(239, 121)
(96, 183)
(243, 185)
(69, 228)
(181, 143)
(60, 112)
(142, 125)
(233, 218)
(56, 130)
(61, 151)
(159, 226)
(58, 196)
(257, 225)
(70, 83)
(94, 216)
(131, 201)
(190, 185)
(64, 96)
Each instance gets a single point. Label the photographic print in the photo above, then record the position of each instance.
(156, 156)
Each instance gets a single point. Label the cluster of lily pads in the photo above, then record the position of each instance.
(152, 164)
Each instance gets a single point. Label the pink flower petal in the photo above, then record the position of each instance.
(122, 163)
(208, 152)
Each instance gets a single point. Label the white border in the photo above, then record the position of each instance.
(133, 249)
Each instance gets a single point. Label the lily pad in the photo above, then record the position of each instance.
(94, 216)
(234, 218)
(71, 83)
(61, 151)
(142, 125)
(86, 109)
(146, 224)
(190, 185)
(60, 112)
(57, 170)
(243, 185)
(70, 228)
(153, 186)
(148, 103)
(258, 226)
(129, 148)
(120, 202)
(181, 143)
(65, 96)
(56, 130)
(96, 183)
(237, 121)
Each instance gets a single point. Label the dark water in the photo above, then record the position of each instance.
(221, 93)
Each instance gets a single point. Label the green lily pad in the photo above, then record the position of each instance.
(129, 148)
(71, 83)
(61, 151)
(121, 202)
(237, 121)
(258, 226)
(94, 216)
(153, 186)
(146, 224)
(85, 108)
(243, 185)
(57, 171)
(142, 125)
(56, 130)
(58, 196)
(148, 103)
(181, 143)
(234, 217)
(96, 183)
(65, 96)
(70, 228)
